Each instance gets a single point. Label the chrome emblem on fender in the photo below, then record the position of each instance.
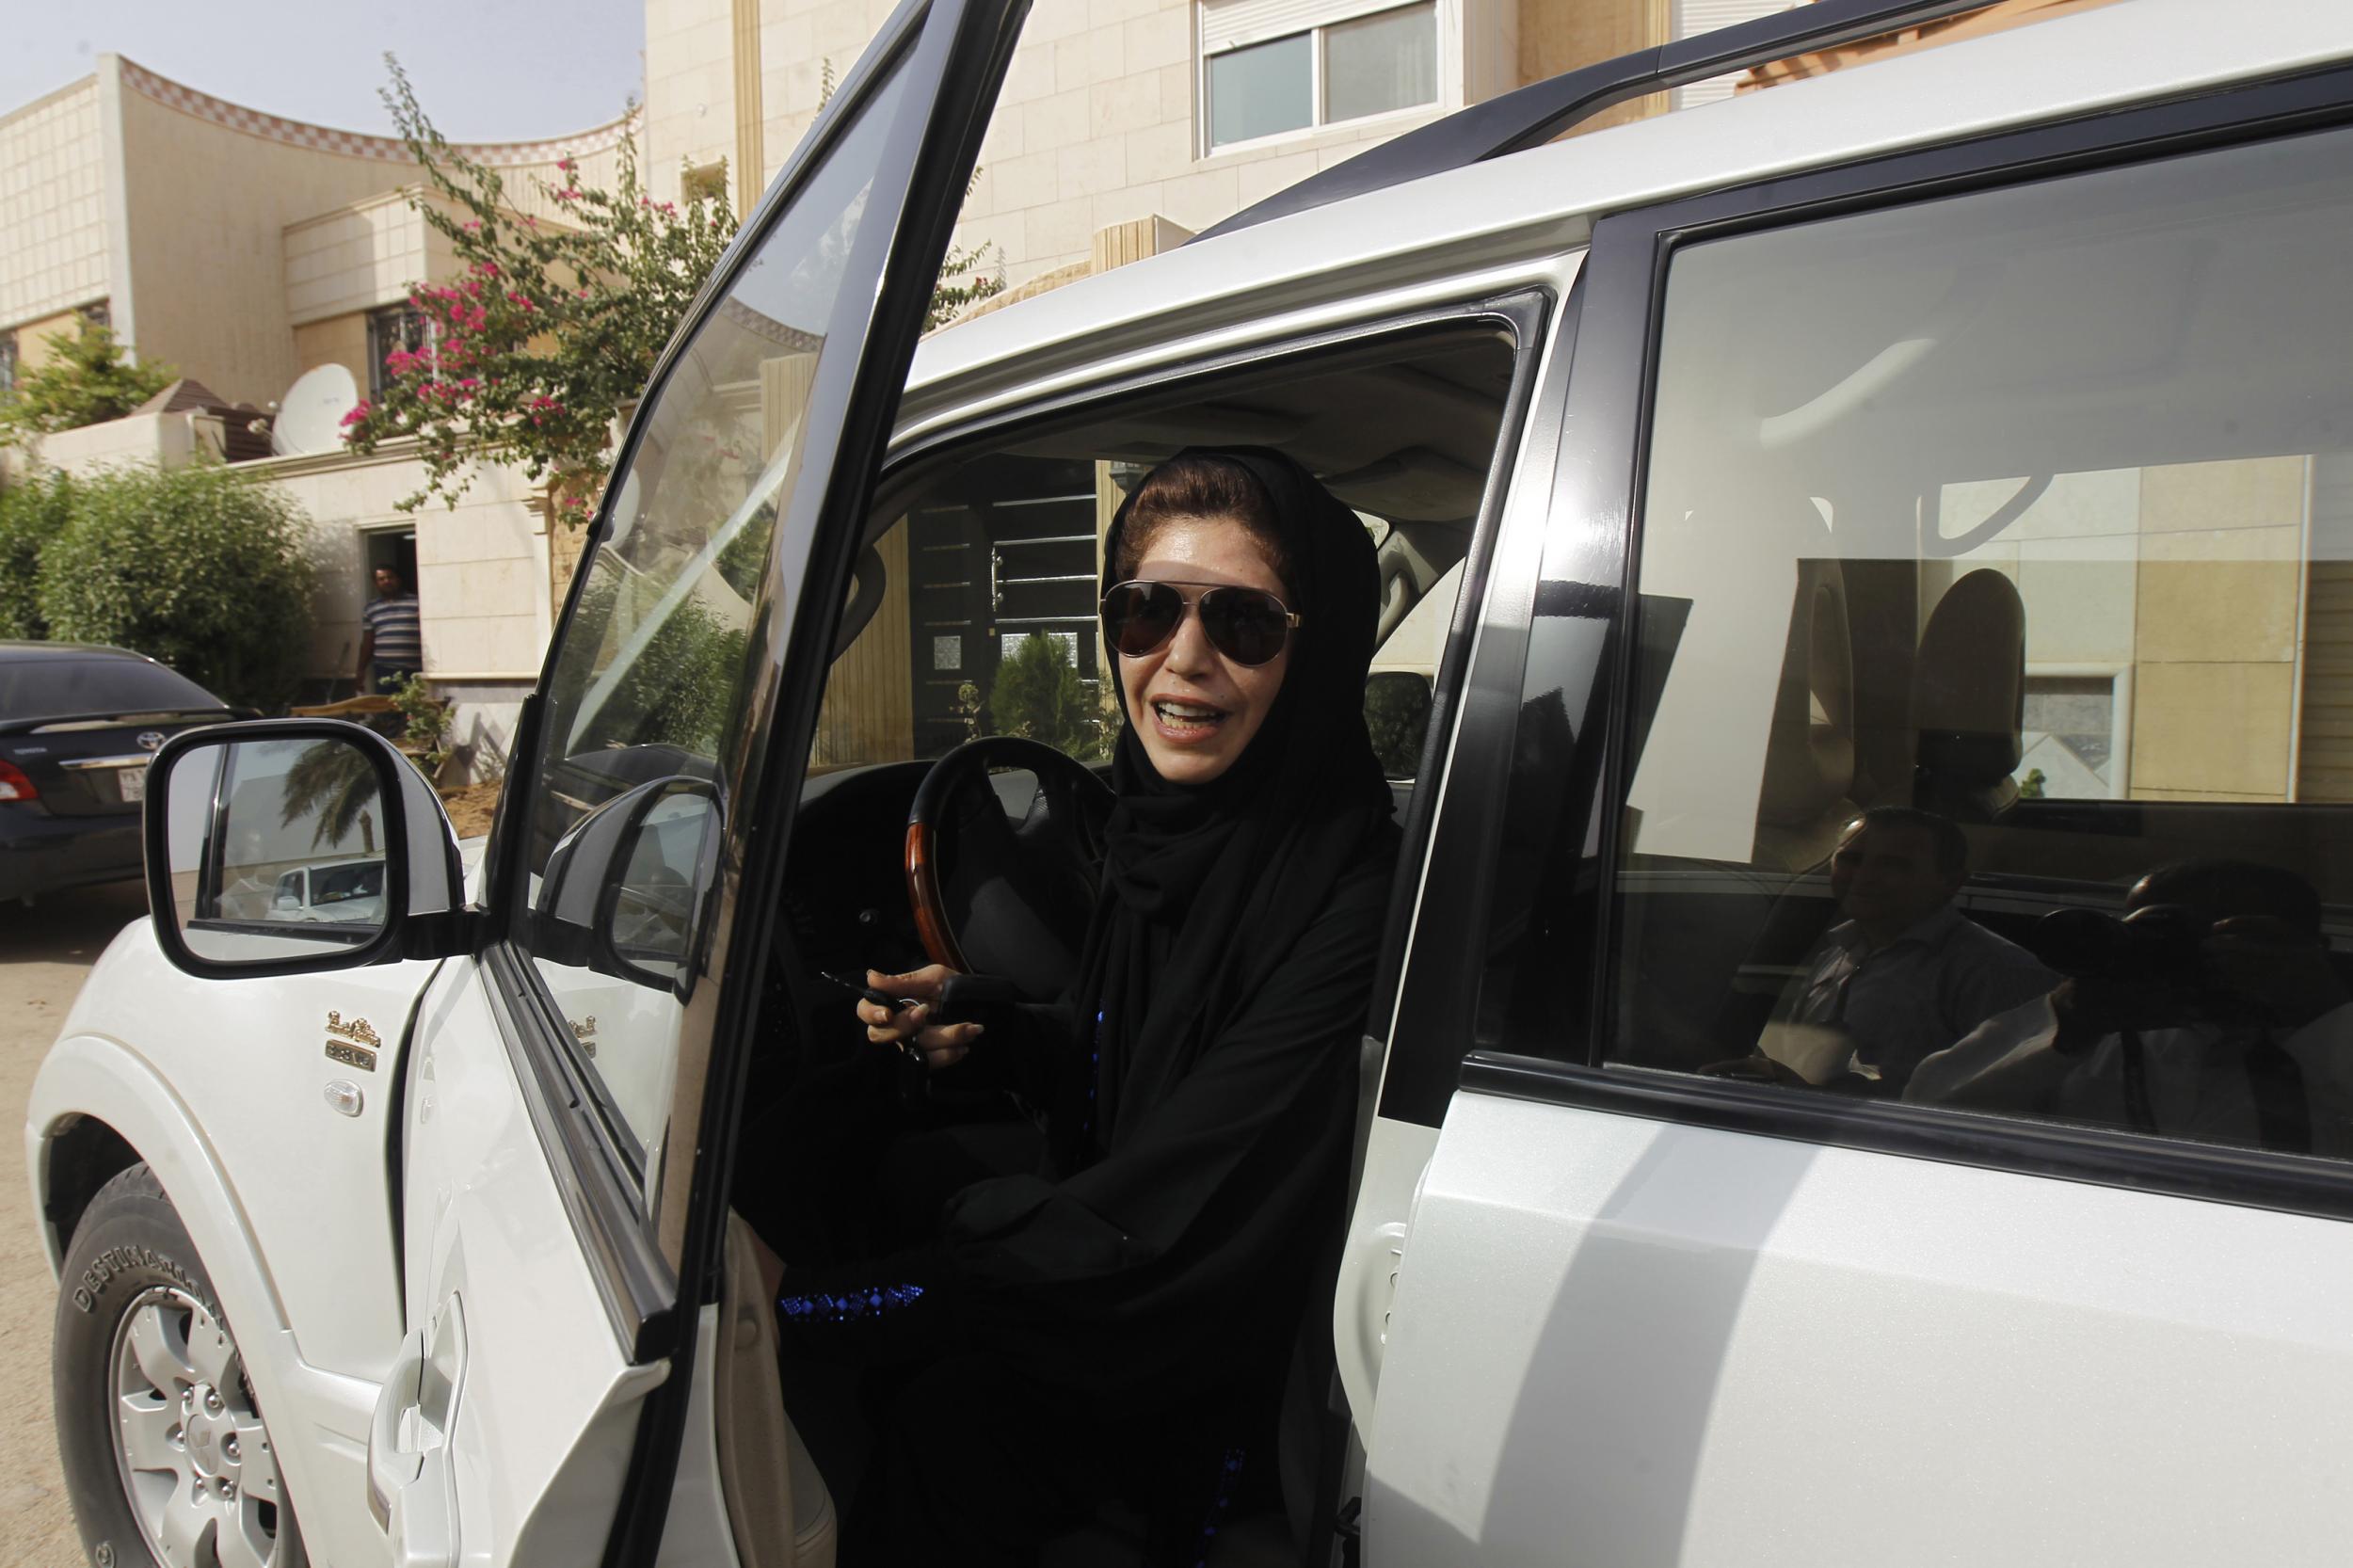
(356, 1031)
(149, 739)
(351, 1056)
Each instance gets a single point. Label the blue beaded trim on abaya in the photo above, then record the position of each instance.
(1229, 1476)
(848, 1308)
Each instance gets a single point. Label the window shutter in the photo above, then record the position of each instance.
(1231, 23)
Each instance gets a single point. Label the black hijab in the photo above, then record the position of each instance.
(1198, 1141)
(1207, 889)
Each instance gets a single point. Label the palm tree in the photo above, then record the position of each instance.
(334, 784)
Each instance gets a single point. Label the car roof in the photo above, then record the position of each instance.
(1542, 202)
(14, 652)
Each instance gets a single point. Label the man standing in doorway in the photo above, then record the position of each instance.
(391, 647)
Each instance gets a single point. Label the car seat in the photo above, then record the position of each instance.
(1969, 697)
(778, 1505)
(1802, 804)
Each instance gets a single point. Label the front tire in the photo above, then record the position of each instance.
(166, 1456)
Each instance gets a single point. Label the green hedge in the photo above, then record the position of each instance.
(200, 567)
(31, 515)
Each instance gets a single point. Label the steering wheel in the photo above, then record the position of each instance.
(1003, 873)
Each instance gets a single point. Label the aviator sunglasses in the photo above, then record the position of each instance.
(1246, 625)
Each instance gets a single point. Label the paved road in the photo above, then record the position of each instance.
(44, 952)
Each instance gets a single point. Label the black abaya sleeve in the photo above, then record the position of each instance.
(1182, 1255)
(1024, 1047)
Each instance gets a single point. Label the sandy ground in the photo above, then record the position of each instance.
(470, 808)
(44, 952)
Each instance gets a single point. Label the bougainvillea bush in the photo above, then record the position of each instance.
(548, 327)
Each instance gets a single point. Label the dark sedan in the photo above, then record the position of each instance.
(77, 725)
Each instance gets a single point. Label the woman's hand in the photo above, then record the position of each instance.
(942, 1045)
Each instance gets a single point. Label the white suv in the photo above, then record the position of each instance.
(1968, 435)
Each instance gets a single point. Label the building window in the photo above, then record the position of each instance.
(1269, 67)
(100, 314)
(395, 329)
(2072, 742)
(7, 361)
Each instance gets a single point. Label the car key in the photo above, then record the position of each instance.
(883, 1000)
(880, 999)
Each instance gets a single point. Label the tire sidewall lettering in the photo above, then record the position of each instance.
(110, 1265)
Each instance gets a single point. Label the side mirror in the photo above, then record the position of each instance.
(625, 891)
(233, 808)
(1397, 714)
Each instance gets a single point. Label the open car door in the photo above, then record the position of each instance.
(567, 1131)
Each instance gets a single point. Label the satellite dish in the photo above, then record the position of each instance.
(310, 416)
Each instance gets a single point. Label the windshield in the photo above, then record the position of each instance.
(336, 883)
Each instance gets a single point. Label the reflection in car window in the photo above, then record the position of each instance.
(2018, 523)
(651, 678)
(57, 688)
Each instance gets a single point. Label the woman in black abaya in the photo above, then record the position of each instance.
(1117, 1327)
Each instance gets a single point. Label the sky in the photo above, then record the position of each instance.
(485, 70)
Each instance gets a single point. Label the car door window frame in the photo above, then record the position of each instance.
(1529, 318)
(1589, 542)
(635, 1234)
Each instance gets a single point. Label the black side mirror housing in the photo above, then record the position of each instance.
(626, 891)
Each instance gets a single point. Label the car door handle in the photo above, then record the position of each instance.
(411, 1492)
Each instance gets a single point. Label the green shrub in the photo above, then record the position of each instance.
(200, 567)
(89, 378)
(31, 515)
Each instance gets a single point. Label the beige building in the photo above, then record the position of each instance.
(1117, 113)
(246, 249)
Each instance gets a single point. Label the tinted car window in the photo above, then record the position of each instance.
(64, 688)
(1987, 721)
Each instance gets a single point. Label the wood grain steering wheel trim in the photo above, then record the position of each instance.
(930, 915)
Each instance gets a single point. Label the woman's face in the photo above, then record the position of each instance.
(1195, 709)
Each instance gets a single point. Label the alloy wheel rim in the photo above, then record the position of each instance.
(190, 1450)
